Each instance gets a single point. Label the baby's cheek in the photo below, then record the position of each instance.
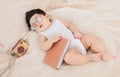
(37, 30)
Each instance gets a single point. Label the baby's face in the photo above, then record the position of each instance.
(39, 22)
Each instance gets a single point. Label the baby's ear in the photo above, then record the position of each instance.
(47, 16)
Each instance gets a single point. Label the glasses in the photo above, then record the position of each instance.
(37, 21)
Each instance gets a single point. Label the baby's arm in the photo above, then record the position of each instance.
(46, 44)
(75, 31)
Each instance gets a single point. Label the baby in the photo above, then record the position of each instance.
(51, 31)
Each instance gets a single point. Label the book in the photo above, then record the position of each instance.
(55, 55)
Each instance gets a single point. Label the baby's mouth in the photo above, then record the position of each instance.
(41, 25)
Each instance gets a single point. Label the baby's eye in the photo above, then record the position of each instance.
(39, 19)
(33, 24)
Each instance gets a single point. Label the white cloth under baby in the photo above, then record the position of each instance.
(58, 27)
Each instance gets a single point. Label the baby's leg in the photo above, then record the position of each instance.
(96, 46)
(73, 57)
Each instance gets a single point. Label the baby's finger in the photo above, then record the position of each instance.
(75, 36)
(59, 35)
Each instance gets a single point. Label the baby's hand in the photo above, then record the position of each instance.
(56, 38)
(77, 35)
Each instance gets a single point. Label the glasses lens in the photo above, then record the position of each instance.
(39, 19)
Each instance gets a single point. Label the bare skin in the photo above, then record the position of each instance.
(73, 57)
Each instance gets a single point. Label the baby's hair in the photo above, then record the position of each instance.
(30, 13)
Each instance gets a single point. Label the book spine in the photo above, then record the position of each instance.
(63, 55)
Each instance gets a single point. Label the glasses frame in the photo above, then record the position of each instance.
(37, 21)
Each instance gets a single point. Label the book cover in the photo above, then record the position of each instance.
(55, 55)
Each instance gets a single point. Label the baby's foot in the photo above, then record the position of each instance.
(107, 57)
(95, 57)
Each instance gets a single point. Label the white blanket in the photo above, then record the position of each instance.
(97, 17)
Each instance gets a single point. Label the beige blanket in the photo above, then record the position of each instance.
(98, 17)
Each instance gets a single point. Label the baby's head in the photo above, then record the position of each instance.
(37, 20)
